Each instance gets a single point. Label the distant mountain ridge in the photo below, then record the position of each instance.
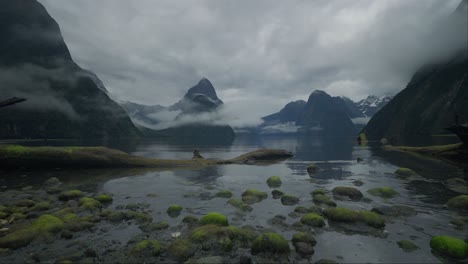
(63, 100)
(189, 117)
(372, 104)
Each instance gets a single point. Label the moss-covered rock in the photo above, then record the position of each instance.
(140, 217)
(459, 222)
(41, 206)
(450, 246)
(459, 202)
(24, 203)
(224, 194)
(221, 237)
(312, 219)
(18, 216)
(323, 199)
(239, 204)
(317, 191)
(149, 227)
(341, 214)
(301, 209)
(190, 220)
(274, 182)
(312, 168)
(407, 245)
(384, 192)
(174, 210)
(404, 172)
(3, 215)
(350, 192)
(70, 195)
(289, 200)
(270, 243)
(395, 210)
(103, 198)
(371, 219)
(181, 249)
(277, 194)
(147, 247)
(46, 224)
(89, 204)
(251, 196)
(304, 237)
(214, 219)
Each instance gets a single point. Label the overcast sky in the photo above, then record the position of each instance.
(258, 54)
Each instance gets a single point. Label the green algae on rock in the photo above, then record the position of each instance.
(459, 202)
(407, 245)
(277, 194)
(103, 198)
(384, 192)
(44, 225)
(404, 172)
(147, 247)
(450, 246)
(251, 196)
(214, 219)
(312, 219)
(174, 210)
(70, 195)
(181, 249)
(239, 204)
(350, 192)
(270, 243)
(289, 200)
(304, 237)
(312, 168)
(190, 220)
(304, 243)
(224, 194)
(274, 182)
(41, 206)
(89, 204)
(341, 214)
(323, 199)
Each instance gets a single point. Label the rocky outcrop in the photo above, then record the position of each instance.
(63, 100)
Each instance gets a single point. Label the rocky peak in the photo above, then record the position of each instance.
(203, 87)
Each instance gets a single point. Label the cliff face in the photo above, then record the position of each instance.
(428, 104)
(63, 100)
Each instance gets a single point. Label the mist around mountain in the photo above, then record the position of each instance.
(195, 115)
(63, 100)
(437, 93)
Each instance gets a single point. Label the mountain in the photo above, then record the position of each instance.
(352, 108)
(289, 113)
(194, 116)
(322, 114)
(430, 101)
(372, 104)
(326, 115)
(63, 100)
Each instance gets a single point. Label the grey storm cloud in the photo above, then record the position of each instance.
(259, 54)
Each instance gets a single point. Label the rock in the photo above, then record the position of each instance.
(312, 219)
(450, 246)
(323, 199)
(312, 168)
(340, 214)
(358, 183)
(350, 192)
(89, 204)
(277, 194)
(24, 203)
(181, 249)
(407, 245)
(301, 210)
(154, 226)
(395, 210)
(211, 260)
(304, 238)
(190, 220)
(304, 249)
(214, 219)
(274, 182)
(41, 206)
(405, 173)
(53, 181)
(263, 155)
(245, 259)
(224, 194)
(132, 207)
(318, 191)
(384, 192)
(70, 195)
(251, 196)
(270, 243)
(459, 202)
(147, 247)
(289, 199)
(458, 185)
(174, 210)
(239, 204)
(103, 198)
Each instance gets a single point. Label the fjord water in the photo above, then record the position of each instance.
(195, 189)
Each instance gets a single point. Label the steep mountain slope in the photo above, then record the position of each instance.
(289, 113)
(352, 108)
(326, 115)
(435, 94)
(63, 100)
(200, 98)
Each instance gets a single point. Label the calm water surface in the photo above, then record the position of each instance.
(195, 190)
